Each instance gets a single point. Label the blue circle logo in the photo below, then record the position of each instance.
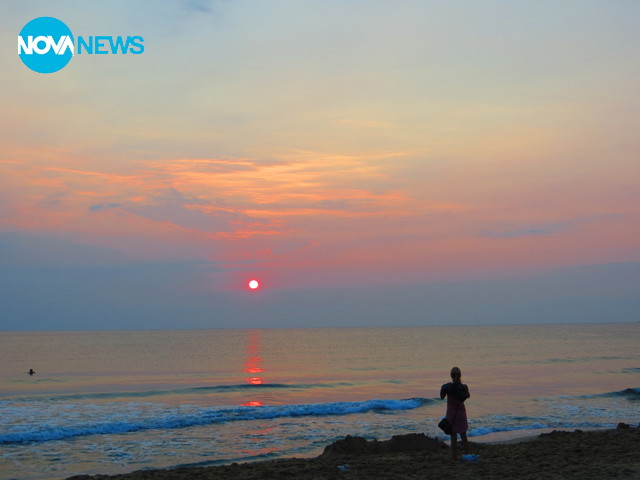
(45, 45)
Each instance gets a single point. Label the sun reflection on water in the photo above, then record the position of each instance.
(253, 365)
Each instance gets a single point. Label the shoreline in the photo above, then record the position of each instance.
(525, 435)
(578, 454)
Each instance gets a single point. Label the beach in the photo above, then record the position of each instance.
(556, 455)
(107, 406)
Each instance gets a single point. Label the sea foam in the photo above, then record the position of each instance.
(137, 419)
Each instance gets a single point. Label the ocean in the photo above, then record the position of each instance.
(119, 401)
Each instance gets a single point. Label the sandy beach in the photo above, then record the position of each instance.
(556, 455)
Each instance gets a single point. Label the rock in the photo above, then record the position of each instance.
(349, 445)
(412, 442)
(623, 426)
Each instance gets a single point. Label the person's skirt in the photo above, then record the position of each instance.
(457, 416)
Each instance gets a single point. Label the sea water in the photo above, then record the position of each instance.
(114, 402)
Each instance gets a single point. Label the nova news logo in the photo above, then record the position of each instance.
(46, 45)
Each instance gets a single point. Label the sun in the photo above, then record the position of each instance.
(254, 284)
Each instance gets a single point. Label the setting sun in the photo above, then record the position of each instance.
(254, 284)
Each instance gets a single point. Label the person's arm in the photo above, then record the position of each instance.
(443, 391)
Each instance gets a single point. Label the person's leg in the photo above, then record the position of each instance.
(465, 443)
(454, 445)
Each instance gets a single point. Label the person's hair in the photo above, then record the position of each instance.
(456, 374)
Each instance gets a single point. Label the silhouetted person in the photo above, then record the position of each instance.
(456, 393)
(31, 371)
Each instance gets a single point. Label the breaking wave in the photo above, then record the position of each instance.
(139, 419)
(628, 393)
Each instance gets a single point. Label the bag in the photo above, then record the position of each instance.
(445, 426)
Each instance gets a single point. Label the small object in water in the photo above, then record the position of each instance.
(31, 371)
(343, 468)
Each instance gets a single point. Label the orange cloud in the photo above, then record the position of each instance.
(308, 211)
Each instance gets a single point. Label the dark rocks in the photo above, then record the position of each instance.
(412, 442)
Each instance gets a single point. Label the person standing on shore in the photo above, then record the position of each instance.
(456, 393)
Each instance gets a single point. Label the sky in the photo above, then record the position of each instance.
(369, 162)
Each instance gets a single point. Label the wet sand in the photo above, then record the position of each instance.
(608, 454)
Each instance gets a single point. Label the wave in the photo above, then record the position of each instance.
(587, 419)
(628, 393)
(561, 360)
(177, 418)
(631, 370)
(632, 394)
(180, 391)
(602, 410)
(480, 431)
